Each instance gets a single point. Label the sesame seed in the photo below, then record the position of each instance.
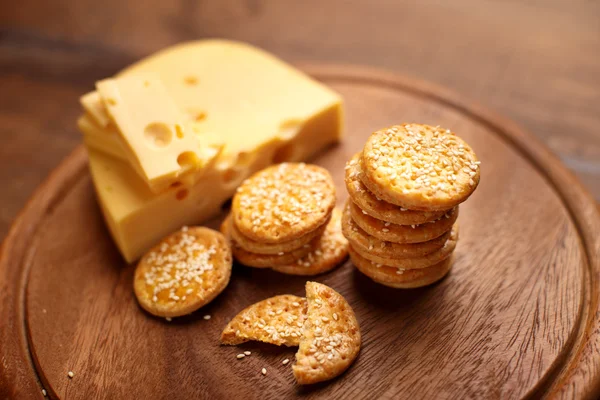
(70, 374)
(247, 353)
(240, 356)
(335, 316)
(284, 362)
(169, 319)
(44, 393)
(263, 371)
(206, 317)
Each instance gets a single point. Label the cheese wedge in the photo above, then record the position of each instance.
(263, 110)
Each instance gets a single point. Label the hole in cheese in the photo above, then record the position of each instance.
(285, 153)
(191, 80)
(158, 134)
(200, 116)
(181, 194)
(243, 159)
(187, 159)
(229, 175)
(179, 131)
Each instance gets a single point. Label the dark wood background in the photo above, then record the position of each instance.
(535, 61)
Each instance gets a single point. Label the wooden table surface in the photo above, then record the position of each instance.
(535, 61)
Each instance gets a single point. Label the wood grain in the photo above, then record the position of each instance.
(536, 61)
(518, 315)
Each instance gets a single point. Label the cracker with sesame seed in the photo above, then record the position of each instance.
(257, 260)
(283, 202)
(419, 167)
(417, 262)
(377, 208)
(401, 278)
(183, 272)
(329, 252)
(331, 336)
(359, 239)
(277, 320)
(387, 231)
(254, 246)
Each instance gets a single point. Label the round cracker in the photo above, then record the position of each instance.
(331, 249)
(378, 208)
(184, 272)
(254, 246)
(419, 167)
(264, 260)
(331, 336)
(360, 239)
(283, 202)
(401, 279)
(418, 262)
(277, 320)
(403, 233)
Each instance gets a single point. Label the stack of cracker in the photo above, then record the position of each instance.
(283, 218)
(405, 188)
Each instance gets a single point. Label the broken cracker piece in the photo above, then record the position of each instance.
(277, 320)
(330, 337)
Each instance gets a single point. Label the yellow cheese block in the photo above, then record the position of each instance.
(264, 111)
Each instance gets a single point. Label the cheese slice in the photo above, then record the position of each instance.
(159, 142)
(106, 140)
(93, 104)
(263, 110)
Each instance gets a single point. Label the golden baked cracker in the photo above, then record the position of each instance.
(377, 208)
(264, 260)
(399, 278)
(329, 252)
(403, 233)
(254, 246)
(283, 202)
(360, 239)
(418, 262)
(419, 167)
(184, 272)
(278, 320)
(331, 336)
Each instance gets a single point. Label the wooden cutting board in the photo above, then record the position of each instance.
(518, 315)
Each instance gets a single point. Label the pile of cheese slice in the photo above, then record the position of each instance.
(171, 137)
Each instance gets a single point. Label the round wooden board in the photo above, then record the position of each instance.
(517, 316)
